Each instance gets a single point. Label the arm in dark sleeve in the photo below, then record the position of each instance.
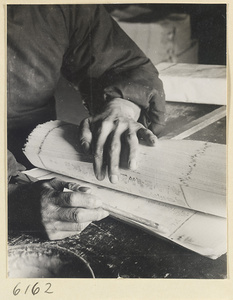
(107, 64)
(13, 167)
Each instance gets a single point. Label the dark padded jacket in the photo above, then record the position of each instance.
(88, 47)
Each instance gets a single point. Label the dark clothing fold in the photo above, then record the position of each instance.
(88, 47)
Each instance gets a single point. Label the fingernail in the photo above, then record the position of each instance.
(86, 146)
(73, 186)
(85, 189)
(100, 177)
(132, 165)
(153, 141)
(113, 178)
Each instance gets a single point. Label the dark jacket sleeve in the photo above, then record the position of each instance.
(105, 63)
(13, 167)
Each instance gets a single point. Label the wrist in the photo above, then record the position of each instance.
(125, 107)
(24, 209)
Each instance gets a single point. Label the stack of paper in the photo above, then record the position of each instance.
(200, 83)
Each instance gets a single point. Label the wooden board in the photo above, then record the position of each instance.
(197, 124)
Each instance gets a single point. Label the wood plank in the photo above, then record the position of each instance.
(196, 125)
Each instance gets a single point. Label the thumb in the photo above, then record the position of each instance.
(156, 128)
(153, 117)
(20, 167)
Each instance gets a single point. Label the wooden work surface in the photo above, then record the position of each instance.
(114, 249)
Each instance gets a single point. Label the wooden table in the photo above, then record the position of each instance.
(114, 249)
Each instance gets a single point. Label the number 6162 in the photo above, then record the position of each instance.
(33, 289)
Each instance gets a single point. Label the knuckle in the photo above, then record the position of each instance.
(77, 215)
(45, 185)
(133, 126)
(114, 162)
(106, 123)
(68, 198)
(99, 130)
(114, 111)
(98, 154)
(62, 199)
(47, 194)
(48, 212)
(82, 138)
(121, 124)
(84, 123)
(91, 201)
(114, 147)
(130, 134)
(103, 128)
(54, 181)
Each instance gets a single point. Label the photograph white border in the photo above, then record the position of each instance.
(101, 289)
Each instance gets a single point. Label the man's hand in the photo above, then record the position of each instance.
(44, 206)
(105, 134)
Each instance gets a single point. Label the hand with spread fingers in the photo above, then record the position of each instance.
(45, 207)
(108, 132)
